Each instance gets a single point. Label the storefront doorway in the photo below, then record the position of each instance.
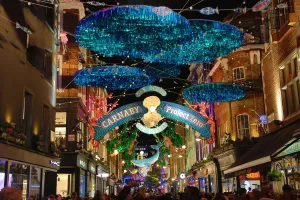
(64, 184)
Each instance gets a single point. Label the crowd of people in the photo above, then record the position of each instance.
(190, 193)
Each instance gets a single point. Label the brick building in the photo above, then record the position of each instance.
(278, 150)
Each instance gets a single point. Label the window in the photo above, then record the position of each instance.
(41, 60)
(243, 128)
(60, 135)
(35, 182)
(204, 149)
(239, 74)
(19, 173)
(27, 116)
(60, 129)
(61, 118)
(289, 84)
(2, 173)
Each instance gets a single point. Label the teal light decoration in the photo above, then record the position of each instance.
(135, 31)
(161, 70)
(113, 77)
(211, 39)
(147, 162)
(214, 92)
(151, 88)
(151, 131)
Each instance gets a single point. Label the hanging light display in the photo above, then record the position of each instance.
(214, 92)
(211, 39)
(113, 77)
(135, 31)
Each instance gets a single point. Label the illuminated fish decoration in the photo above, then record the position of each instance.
(261, 5)
(23, 28)
(209, 11)
(148, 161)
(282, 5)
(240, 10)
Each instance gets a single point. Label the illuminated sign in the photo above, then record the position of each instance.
(182, 175)
(55, 163)
(92, 168)
(82, 163)
(137, 110)
(254, 175)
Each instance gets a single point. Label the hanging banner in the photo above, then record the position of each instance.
(118, 117)
(183, 114)
(166, 109)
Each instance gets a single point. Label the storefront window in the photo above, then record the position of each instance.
(82, 183)
(64, 184)
(2, 173)
(19, 173)
(35, 182)
(251, 180)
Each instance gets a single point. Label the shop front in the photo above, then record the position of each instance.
(101, 179)
(28, 171)
(275, 151)
(288, 163)
(75, 175)
(91, 179)
(226, 159)
(206, 178)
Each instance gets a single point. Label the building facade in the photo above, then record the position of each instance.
(277, 152)
(29, 157)
(86, 166)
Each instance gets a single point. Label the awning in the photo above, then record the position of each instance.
(262, 153)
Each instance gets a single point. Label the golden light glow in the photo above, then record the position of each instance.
(35, 128)
(8, 117)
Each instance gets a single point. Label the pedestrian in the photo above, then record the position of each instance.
(51, 197)
(74, 196)
(191, 193)
(287, 193)
(31, 197)
(242, 194)
(97, 195)
(125, 194)
(10, 193)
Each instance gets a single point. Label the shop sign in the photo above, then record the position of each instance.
(82, 163)
(92, 168)
(55, 163)
(71, 137)
(253, 176)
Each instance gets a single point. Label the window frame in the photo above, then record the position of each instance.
(238, 69)
(238, 130)
(289, 85)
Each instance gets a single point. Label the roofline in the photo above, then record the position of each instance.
(253, 163)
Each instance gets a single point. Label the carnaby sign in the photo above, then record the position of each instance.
(118, 117)
(137, 110)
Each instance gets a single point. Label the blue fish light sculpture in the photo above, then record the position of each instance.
(148, 161)
(209, 11)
